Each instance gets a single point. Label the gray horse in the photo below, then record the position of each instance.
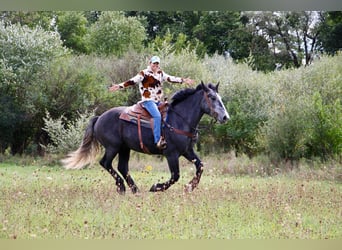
(179, 129)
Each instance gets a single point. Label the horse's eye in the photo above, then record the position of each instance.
(212, 97)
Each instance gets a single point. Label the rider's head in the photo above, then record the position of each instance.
(155, 60)
(154, 63)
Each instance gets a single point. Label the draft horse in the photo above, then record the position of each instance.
(180, 130)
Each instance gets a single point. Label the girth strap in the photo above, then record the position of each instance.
(142, 146)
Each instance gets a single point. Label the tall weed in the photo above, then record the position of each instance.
(65, 136)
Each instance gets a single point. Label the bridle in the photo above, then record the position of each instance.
(207, 99)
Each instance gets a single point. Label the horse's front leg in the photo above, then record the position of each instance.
(191, 156)
(173, 162)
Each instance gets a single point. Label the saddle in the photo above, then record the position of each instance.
(139, 115)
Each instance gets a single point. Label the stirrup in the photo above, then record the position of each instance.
(161, 144)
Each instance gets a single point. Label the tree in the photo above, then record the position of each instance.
(330, 36)
(72, 26)
(293, 34)
(24, 53)
(114, 33)
(159, 23)
(214, 28)
(29, 18)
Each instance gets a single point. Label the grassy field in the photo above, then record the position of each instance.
(42, 202)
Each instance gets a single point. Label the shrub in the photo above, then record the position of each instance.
(246, 96)
(305, 118)
(72, 27)
(24, 53)
(115, 34)
(326, 137)
(65, 135)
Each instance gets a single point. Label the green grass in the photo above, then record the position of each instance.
(53, 203)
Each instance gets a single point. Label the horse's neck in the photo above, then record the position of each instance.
(187, 114)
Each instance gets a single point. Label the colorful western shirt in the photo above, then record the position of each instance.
(151, 84)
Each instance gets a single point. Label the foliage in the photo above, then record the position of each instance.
(287, 38)
(306, 114)
(32, 19)
(24, 53)
(280, 113)
(65, 135)
(159, 23)
(27, 50)
(72, 27)
(214, 28)
(178, 44)
(246, 96)
(326, 137)
(288, 114)
(114, 33)
(290, 33)
(71, 85)
(326, 113)
(330, 36)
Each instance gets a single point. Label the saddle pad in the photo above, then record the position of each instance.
(131, 117)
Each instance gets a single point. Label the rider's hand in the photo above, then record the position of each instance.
(114, 87)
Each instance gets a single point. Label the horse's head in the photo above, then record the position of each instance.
(212, 104)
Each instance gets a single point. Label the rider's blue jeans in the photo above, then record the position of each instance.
(152, 108)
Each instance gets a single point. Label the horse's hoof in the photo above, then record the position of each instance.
(188, 188)
(121, 191)
(153, 188)
(135, 189)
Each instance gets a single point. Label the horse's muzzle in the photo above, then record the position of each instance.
(221, 119)
(224, 119)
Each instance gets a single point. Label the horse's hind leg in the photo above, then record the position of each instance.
(106, 163)
(123, 169)
(191, 156)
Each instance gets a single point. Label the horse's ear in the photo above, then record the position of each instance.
(205, 88)
(216, 87)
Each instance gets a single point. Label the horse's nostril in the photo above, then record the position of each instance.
(225, 118)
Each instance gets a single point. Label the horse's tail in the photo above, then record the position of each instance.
(87, 152)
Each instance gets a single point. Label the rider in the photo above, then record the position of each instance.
(150, 82)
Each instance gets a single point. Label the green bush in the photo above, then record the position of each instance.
(246, 97)
(326, 137)
(25, 52)
(65, 135)
(72, 27)
(115, 34)
(305, 119)
(287, 114)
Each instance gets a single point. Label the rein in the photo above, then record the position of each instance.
(181, 132)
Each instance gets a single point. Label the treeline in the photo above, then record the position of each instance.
(59, 64)
(264, 40)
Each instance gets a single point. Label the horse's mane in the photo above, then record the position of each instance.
(183, 94)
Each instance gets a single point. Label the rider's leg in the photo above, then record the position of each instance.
(152, 108)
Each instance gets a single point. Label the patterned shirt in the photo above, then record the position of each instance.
(151, 84)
